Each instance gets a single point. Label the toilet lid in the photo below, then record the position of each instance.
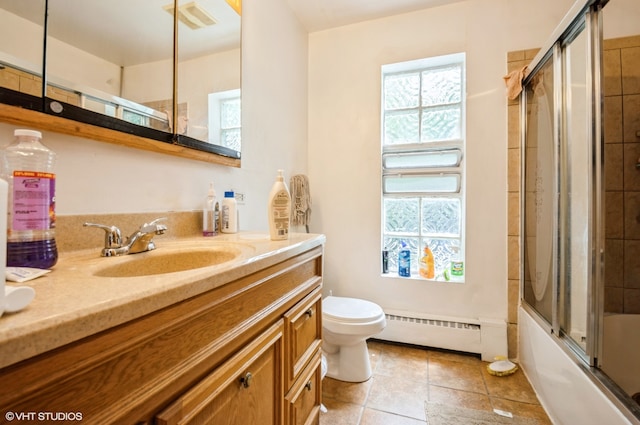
(350, 309)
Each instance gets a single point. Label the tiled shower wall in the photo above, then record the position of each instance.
(515, 60)
(622, 176)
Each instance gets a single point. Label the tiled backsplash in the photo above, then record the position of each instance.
(71, 235)
(622, 177)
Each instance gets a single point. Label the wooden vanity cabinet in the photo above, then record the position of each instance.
(247, 389)
(247, 352)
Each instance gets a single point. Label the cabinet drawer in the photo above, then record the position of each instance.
(246, 389)
(304, 397)
(303, 329)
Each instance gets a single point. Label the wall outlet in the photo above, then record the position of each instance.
(239, 197)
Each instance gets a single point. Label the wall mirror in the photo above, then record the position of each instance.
(21, 52)
(208, 83)
(115, 65)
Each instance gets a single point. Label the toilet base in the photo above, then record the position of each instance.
(350, 363)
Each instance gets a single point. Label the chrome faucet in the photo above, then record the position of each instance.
(140, 241)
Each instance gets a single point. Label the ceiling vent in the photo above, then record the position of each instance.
(192, 15)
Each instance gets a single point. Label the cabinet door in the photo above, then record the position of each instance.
(304, 398)
(303, 327)
(247, 389)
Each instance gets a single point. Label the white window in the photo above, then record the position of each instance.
(423, 117)
(225, 126)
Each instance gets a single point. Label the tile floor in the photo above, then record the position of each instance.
(404, 377)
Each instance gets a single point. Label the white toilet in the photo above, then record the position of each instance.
(346, 325)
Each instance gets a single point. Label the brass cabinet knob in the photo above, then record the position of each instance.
(246, 380)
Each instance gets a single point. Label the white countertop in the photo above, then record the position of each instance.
(72, 303)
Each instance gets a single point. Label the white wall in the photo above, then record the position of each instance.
(96, 177)
(344, 145)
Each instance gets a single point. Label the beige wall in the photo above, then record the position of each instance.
(344, 148)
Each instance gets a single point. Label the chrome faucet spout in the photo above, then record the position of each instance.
(142, 239)
(139, 241)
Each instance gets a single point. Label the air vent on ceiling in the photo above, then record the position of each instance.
(192, 15)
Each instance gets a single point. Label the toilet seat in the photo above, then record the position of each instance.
(350, 310)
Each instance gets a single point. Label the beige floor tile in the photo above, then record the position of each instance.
(455, 374)
(396, 395)
(453, 356)
(406, 363)
(469, 400)
(405, 377)
(348, 392)
(514, 387)
(340, 413)
(522, 409)
(376, 417)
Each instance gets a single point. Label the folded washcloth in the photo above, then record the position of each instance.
(513, 81)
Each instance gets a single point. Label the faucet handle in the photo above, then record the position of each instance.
(112, 236)
(154, 227)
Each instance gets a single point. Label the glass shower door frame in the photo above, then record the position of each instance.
(585, 18)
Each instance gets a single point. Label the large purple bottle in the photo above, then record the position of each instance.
(27, 165)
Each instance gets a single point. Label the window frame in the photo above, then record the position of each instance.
(422, 150)
(217, 129)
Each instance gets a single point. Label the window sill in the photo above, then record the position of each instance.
(438, 279)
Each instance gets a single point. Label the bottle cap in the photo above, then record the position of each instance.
(29, 133)
(212, 191)
(229, 194)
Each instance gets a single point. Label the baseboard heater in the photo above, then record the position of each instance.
(487, 337)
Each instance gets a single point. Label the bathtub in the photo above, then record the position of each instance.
(621, 345)
(565, 390)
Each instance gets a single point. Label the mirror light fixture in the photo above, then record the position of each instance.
(236, 5)
(192, 15)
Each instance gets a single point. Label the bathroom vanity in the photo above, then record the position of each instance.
(236, 342)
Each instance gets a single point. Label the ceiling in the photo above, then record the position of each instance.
(129, 32)
(317, 15)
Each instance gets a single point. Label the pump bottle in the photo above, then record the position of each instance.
(279, 207)
(210, 213)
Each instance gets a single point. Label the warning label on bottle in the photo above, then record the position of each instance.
(33, 200)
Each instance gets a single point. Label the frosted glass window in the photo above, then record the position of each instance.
(422, 184)
(441, 216)
(442, 86)
(402, 127)
(402, 91)
(225, 119)
(442, 123)
(423, 160)
(430, 159)
(402, 215)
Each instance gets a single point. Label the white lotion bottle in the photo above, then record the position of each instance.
(229, 213)
(279, 207)
(210, 213)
